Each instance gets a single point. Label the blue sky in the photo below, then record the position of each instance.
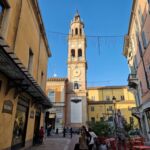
(107, 65)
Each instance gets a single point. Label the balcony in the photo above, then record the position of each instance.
(135, 112)
(132, 81)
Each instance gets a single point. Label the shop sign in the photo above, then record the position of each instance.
(7, 107)
(31, 114)
(59, 115)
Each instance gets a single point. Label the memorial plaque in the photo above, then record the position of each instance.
(7, 106)
(31, 114)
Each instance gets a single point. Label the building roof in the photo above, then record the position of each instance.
(57, 79)
(41, 24)
(132, 15)
(107, 87)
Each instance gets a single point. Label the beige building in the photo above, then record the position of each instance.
(137, 52)
(56, 91)
(24, 54)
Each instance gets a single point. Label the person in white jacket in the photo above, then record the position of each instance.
(93, 137)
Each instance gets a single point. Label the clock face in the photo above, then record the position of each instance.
(76, 72)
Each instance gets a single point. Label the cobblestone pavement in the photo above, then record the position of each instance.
(57, 142)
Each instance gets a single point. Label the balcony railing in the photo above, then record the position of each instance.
(132, 81)
(135, 112)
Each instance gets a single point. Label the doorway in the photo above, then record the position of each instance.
(36, 127)
(20, 124)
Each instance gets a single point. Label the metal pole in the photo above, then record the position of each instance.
(115, 126)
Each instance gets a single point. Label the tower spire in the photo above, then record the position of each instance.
(77, 13)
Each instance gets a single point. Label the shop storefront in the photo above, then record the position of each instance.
(20, 123)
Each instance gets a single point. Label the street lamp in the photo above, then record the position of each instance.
(114, 102)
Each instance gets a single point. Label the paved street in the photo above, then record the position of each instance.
(57, 143)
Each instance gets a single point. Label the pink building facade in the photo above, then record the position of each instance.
(137, 52)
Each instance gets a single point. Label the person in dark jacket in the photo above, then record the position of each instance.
(41, 135)
(71, 132)
(64, 132)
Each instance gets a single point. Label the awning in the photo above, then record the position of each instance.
(19, 77)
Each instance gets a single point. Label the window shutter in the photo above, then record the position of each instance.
(145, 43)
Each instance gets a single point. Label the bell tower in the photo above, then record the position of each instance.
(77, 71)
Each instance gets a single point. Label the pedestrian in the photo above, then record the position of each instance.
(56, 130)
(93, 139)
(83, 145)
(41, 135)
(71, 132)
(64, 131)
(49, 128)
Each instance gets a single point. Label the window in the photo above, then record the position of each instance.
(137, 26)
(107, 98)
(122, 97)
(79, 54)
(76, 85)
(101, 118)
(76, 31)
(72, 54)
(93, 98)
(140, 48)
(144, 39)
(93, 119)
(72, 31)
(80, 31)
(110, 108)
(42, 75)
(51, 96)
(149, 83)
(1, 11)
(30, 61)
(135, 63)
(141, 17)
(141, 87)
(92, 108)
(148, 117)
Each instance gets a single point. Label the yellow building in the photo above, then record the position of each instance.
(24, 54)
(102, 106)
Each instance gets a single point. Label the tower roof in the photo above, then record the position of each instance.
(77, 14)
(77, 18)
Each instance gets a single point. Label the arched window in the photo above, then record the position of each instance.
(72, 54)
(80, 31)
(76, 31)
(76, 85)
(72, 32)
(51, 95)
(79, 54)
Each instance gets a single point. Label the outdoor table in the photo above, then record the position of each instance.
(141, 147)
